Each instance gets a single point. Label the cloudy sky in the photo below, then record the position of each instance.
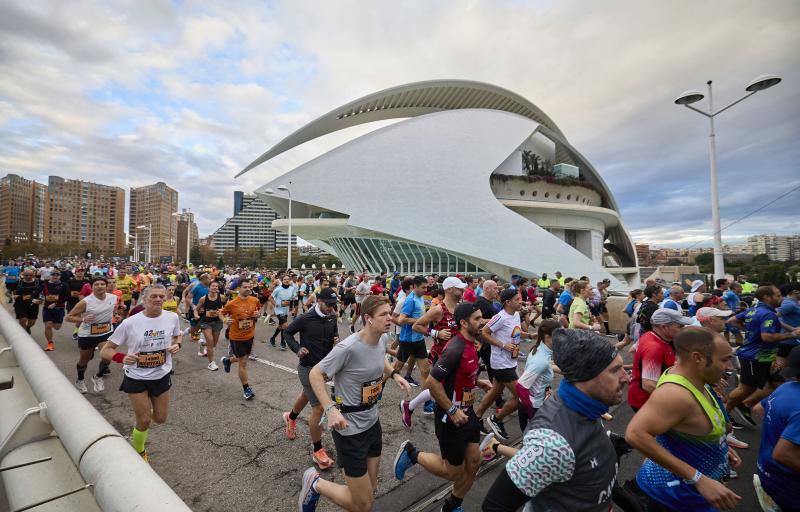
(129, 93)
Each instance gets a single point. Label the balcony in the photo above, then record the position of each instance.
(546, 189)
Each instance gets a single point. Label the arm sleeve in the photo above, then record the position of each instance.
(448, 362)
(545, 458)
(335, 360)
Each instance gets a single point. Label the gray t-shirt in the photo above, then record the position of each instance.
(357, 371)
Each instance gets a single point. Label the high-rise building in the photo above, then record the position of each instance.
(250, 227)
(152, 207)
(86, 213)
(776, 247)
(22, 214)
(186, 225)
(643, 253)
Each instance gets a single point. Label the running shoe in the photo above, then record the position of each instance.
(75, 335)
(145, 457)
(212, 366)
(498, 428)
(428, 409)
(321, 459)
(736, 443)
(248, 393)
(405, 413)
(307, 501)
(402, 461)
(291, 426)
(735, 424)
(411, 382)
(457, 509)
(484, 431)
(272, 342)
(732, 473)
(50, 347)
(744, 413)
(283, 347)
(81, 385)
(253, 357)
(226, 364)
(99, 385)
(764, 499)
(203, 352)
(488, 440)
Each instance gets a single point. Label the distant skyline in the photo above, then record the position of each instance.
(132, 93)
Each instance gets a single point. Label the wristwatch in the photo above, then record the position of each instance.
(696, 478)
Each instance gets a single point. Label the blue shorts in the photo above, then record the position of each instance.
(55, 315)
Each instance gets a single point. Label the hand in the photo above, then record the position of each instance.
(488, 452)
(88, 318)
(335, 419)
(335, 340)
(444, 335)
(51, 306)
(174, 348)
(717, 494)
(403, 383)
(459, 418)
(303, 352)
(508, 347)
(733, 458)
(131, 359)
(196, 316)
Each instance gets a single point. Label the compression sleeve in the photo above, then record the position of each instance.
(545, 458)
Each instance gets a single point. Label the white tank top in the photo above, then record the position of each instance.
(103, 311)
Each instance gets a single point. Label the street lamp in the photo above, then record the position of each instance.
(135, 248)
(188, 230)
(149, 229)
(686, 99)
(285, 188)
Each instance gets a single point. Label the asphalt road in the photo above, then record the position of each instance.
(221, 453)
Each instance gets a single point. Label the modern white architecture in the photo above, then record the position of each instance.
(465, 183)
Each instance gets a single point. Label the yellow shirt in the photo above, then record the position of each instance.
(170, 305)
(125, 285)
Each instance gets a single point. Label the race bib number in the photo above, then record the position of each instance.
(245, 324)
(152, 359)
(97, 329)
(51, 298)
(284, 303)
(75, 293)
(370, 391)
(467, 398)
(211, 313)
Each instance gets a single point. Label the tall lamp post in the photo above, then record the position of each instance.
(188, 230)
(686, 99)
(149, 229)
(285, 188)
(135, 248)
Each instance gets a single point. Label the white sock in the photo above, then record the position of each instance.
(419, 399)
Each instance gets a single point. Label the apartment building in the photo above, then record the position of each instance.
(250, 227)
(152, 222)
(186, 226)
(22, 215)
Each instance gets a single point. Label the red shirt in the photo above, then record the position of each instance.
(653, 356)
(469, 295)
(376, 289)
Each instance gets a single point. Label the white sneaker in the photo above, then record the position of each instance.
(736, 443)
(252, 357)
(99, 385)
(81, 385)
(212, 366)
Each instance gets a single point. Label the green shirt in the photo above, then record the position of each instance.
(579, 306)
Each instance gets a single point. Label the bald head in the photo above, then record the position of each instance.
(490, 289)
(676, 293)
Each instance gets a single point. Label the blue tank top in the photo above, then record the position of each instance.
(708, 454)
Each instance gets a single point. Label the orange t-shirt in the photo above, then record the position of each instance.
(243, 313)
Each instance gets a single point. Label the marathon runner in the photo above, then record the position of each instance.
(359, 368)
(567, 461)
(26, 300)
(11, 273)
(207, 312)
(452, 383)
(242, 314)
(281, 300)
(55, 294)
(125, 284)
(411, 344)
(191, 297)
(94, 315)
(75, 284)
(681, 429)
(318, 333)
(151, 338)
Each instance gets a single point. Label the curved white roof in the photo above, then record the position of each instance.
(411, 100)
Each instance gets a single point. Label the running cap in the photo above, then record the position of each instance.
(463, 311)
(328, 296)
(581, 355)
(451, 282)
(507, 295)
(706, 313)
(696, 284)
(664, 316)
(793, 369)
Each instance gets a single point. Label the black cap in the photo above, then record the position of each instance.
(793, 369)
(463, 311)
(507, 295)
(328, 296)
(581, 355)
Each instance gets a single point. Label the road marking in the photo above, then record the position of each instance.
(281, 367)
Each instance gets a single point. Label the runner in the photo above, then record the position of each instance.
(412, 347)
(681, 429)
(318, 333)
(533, 387)
(452, 383)
(349, 290)
(55, 294)
(579, 317)
(241, 314)
(358, 367)
(151, 338)
(26, 300)
(361, 293)
(567, 462)
(125, 284)
(191, 297)
(11, 273)
(207, 312)
(94, 316)
(75, 284)
(503, 333)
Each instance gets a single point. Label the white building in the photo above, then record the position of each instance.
(456, 197)
(250, 226)
(776, 247)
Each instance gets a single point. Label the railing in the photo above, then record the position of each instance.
(41, 402)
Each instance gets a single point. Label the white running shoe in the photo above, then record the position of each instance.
(736, 443)
(81, 385)
(212, 366)
(99, 385)
(252, 357)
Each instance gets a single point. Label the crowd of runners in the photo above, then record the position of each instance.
(454, 345)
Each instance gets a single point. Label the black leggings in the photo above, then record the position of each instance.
(503, 496)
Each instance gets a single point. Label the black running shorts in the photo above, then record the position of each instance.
(241, 348)
(353, 451)
(152, 387)
(453, 440)
(406, 349)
